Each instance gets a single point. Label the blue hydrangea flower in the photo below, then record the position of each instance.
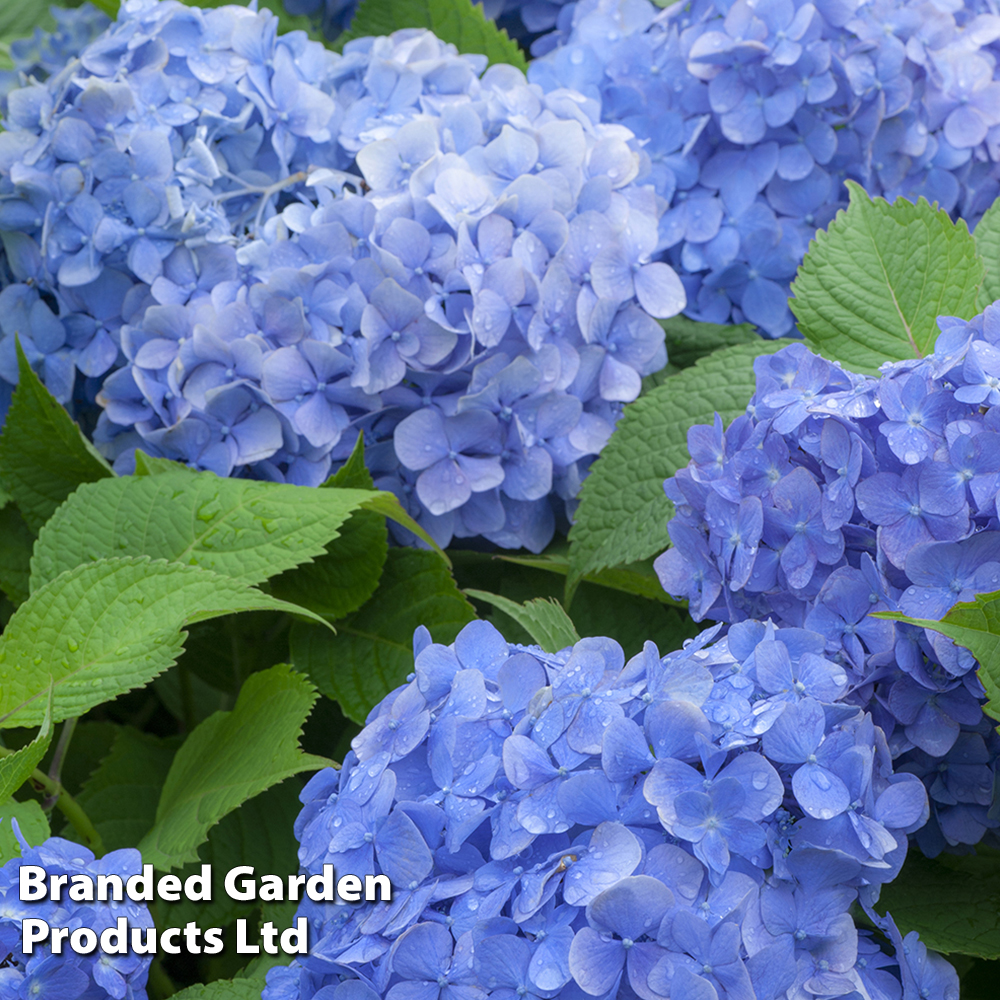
(876, 495)
(68, 976)
(586, 826)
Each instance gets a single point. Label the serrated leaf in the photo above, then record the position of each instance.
(987, 237)
(31, 821)
(260, 834)
(16, 541)
(43, 454)
(952, 900)
(688, 340)
(16, 768)
(455, 21)
(224, 989)
(239, 528)
(545, 620)
(872, 285)
(120, 796)
(372, 651)
(623, 512)
(102, 629)
(596, 610)
(342, 578)
(229, 758)
(974, 625)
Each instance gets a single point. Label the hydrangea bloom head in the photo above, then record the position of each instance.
(69, 976)
(573, 824)
(481, 312)
(838, 495)
(755, 114)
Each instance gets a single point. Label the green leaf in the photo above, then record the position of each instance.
(688, 340)
(596, 610)
(16, 768)
(150, 465)
(987, 237)
(229, 758)
(224, 989)
(353, 474)
(102, 629)
(43, 454)
(16, 541)
(638, 578)
(872, 285)
(260, 834)
(341, 579)
(19, 20)
(372, 651)
(545, 620)
(239, 528)
(974, 625)
(623, 513)
(120, 796)
(455, 21)
(953, 900)
(31, 821)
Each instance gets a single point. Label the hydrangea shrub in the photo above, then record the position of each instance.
(68, 975)
(490, 292)
(754, 115)
(838, 495)
(571, 824)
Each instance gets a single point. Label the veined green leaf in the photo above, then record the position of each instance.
(872, 285)
(31, 821)
(372, 651)
(623, 512)
(239, 528)
(43, 454)
(16, 768)
(974, 625)
(102, 629)
(987, 237)
(455, 21)
(545, 620)
(229, 758)
(120, 795)
(952, 900)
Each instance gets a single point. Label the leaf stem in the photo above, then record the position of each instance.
(67, 805)
(55, 768)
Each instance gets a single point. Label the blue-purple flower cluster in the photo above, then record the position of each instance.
(69, 975)
(480, 306)
(755, 112)
(162, 138)
(838, 495)
(568, 825)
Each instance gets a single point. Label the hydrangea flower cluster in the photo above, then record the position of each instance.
(839, 494)
(754, 114)
(481, 312)
(567, 825)
(68, 975)
(167, 133)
